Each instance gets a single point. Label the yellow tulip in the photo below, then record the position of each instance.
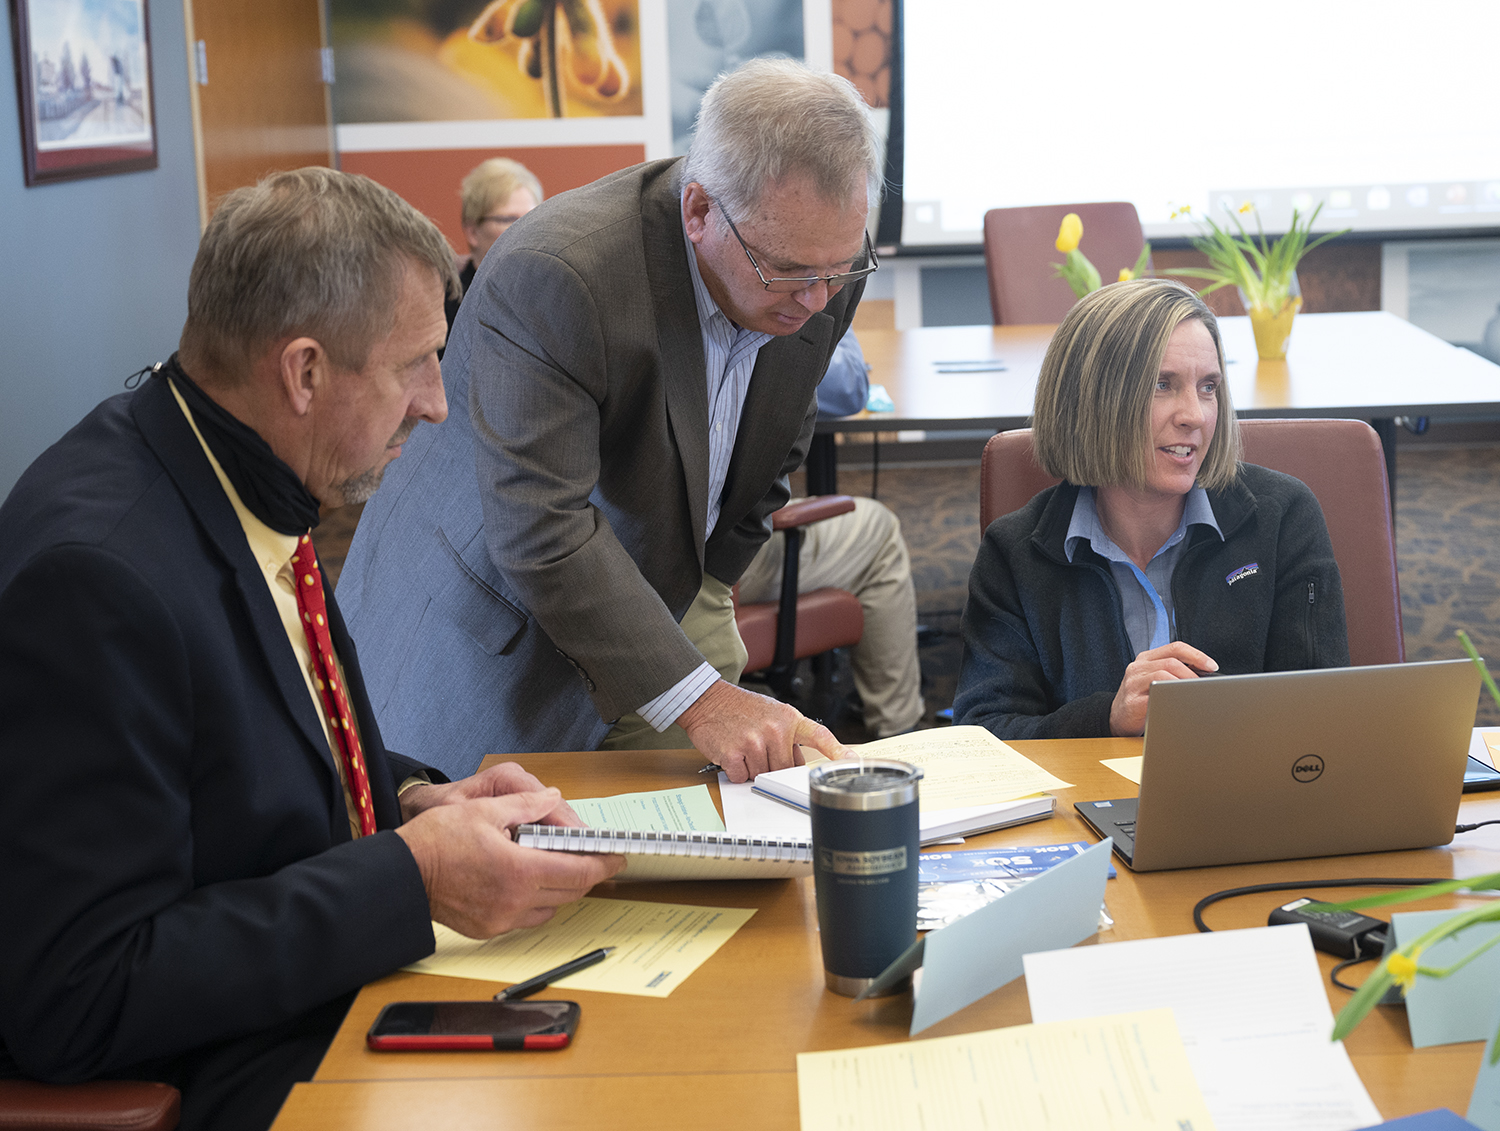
(1070, 233)
(1126, 274)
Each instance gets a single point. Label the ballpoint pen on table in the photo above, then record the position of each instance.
(541, 981)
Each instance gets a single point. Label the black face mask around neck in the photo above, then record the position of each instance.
(265, 484)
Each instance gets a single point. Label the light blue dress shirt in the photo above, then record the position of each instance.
(1146, 595)
(729, 353)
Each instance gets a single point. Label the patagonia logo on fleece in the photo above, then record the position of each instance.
(1243, 572)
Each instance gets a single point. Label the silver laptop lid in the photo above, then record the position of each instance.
(1309, 763)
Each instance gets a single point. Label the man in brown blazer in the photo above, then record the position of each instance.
(632, 376)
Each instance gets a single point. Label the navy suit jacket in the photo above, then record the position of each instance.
(175, 857)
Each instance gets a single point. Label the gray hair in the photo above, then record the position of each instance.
(312, 252)
(1091, 422)
(771, 118)
(491, 183)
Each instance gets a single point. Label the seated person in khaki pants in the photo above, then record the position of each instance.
(863, 552)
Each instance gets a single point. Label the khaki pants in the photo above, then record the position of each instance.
(709, 624)
(863, 552)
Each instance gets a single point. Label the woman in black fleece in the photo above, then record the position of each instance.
(1160, 555)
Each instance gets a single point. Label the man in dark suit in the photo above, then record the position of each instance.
(633, 373)
(202, 847)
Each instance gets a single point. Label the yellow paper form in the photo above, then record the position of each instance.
(1127, 1073)
(964, 767)
(659, 944)
(1125, 767)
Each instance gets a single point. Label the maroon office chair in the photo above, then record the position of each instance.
(1020, 247)
(1343, 464)
(779, 633)
(100, 1105)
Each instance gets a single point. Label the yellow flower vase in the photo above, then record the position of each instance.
(1273, 331)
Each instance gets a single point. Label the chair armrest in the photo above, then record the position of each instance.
(812, 510)
(100, 1105)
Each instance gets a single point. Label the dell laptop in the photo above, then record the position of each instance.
(1285, 765)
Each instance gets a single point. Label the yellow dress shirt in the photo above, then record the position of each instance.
(273, 553)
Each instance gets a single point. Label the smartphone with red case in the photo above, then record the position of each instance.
(486, 1025)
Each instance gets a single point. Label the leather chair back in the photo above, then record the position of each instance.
(1343, 464)
(1020, 247)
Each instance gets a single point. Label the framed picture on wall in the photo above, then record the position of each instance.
(83, 68)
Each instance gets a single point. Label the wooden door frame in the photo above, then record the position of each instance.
(196, 105)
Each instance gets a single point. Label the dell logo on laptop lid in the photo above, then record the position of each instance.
(1307, 768)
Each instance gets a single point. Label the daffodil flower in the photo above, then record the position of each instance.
(1246, 207)
(1126, 274)
(1070, 233)
(1403, 969)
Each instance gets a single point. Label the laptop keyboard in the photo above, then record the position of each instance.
(1127, 829)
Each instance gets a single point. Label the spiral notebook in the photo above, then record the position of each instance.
(679, 855)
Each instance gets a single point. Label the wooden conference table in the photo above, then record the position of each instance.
(721, 1050)
(1368, 366)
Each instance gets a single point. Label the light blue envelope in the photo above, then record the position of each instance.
(1460, 1007)
(1484, 1104)
(975, 956)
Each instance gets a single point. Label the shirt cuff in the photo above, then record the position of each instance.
(664, 710)
(419, 778)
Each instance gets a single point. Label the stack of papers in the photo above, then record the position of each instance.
(1251, 1009)
(657, 945)
(972, 782)
(1125, 1073)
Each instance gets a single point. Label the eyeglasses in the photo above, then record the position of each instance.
(791, 286)
(503, 221)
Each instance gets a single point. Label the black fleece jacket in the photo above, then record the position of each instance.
(1045, 646)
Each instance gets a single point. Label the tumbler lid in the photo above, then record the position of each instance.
(869, 783)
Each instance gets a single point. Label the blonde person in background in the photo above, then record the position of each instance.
(494, 195)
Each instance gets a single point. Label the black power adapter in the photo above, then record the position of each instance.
(1346, 934)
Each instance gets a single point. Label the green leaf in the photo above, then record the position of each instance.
(1142, 262)
(1443, 972)
(1253, 263)
(1090, 272)
(1071, 274)
(1365, 999)
(1484, 672)
(1490, 882)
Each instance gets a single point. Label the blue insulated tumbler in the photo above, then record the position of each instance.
(865, 839)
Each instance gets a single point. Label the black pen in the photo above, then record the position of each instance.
(541, 981)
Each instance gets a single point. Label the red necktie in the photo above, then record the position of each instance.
(309, 585)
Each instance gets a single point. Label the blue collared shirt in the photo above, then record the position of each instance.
(729, 354)
(1146, 595)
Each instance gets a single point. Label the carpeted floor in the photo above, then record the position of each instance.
(1447, 525)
